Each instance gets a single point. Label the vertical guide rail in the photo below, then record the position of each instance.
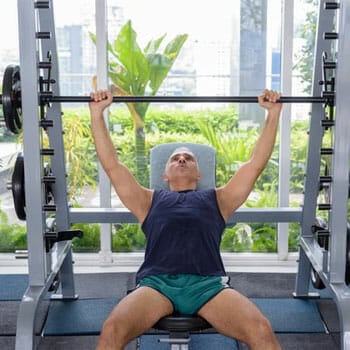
(340, 172)
(309, 251)
(32, 167)
(46, 23)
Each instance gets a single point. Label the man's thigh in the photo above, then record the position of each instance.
(232, 314)
(140, 310)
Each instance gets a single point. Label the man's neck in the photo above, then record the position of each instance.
(180, 187)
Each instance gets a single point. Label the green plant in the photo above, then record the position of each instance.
(264, 238)
(12, 237)
(263, 234)
(127, 237)
(299, 143)
(232, 148)
(134, 71)
(80, 157)
(293, 237)
(90, 240)
(237, 238)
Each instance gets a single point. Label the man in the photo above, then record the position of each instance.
(183, 271)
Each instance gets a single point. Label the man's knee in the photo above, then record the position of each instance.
(265, 326)
(115, 332)
(262, 331)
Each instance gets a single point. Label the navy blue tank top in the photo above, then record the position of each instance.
(183, 232)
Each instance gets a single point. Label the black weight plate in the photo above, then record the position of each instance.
(11, 104)
(18, 189)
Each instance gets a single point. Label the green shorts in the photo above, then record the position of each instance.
(188, 293)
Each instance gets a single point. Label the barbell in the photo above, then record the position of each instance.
(12, 106)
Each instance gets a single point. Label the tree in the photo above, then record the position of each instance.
(305, 58)
(137, 72)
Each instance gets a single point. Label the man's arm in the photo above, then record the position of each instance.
(236, 191)
(135, 197)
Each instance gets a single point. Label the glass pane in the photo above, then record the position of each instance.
(232, 48)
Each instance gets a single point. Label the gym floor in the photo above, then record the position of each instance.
(114, 284)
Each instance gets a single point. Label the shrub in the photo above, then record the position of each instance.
(91, 238)
(237, 238)
(127, 237)
(12, 237)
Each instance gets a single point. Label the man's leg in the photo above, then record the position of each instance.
(234, 315)
(133, 316)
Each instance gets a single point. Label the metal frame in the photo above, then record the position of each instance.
(330, 265)
(43, 267)
(316, 131)
(37, 264)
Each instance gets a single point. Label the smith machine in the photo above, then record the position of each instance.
(324, 246)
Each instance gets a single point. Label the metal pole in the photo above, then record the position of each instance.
(285, 125)
(102, 81)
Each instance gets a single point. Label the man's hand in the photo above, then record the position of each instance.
(101, 99)
(268, 100)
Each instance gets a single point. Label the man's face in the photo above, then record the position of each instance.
(182, 162)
